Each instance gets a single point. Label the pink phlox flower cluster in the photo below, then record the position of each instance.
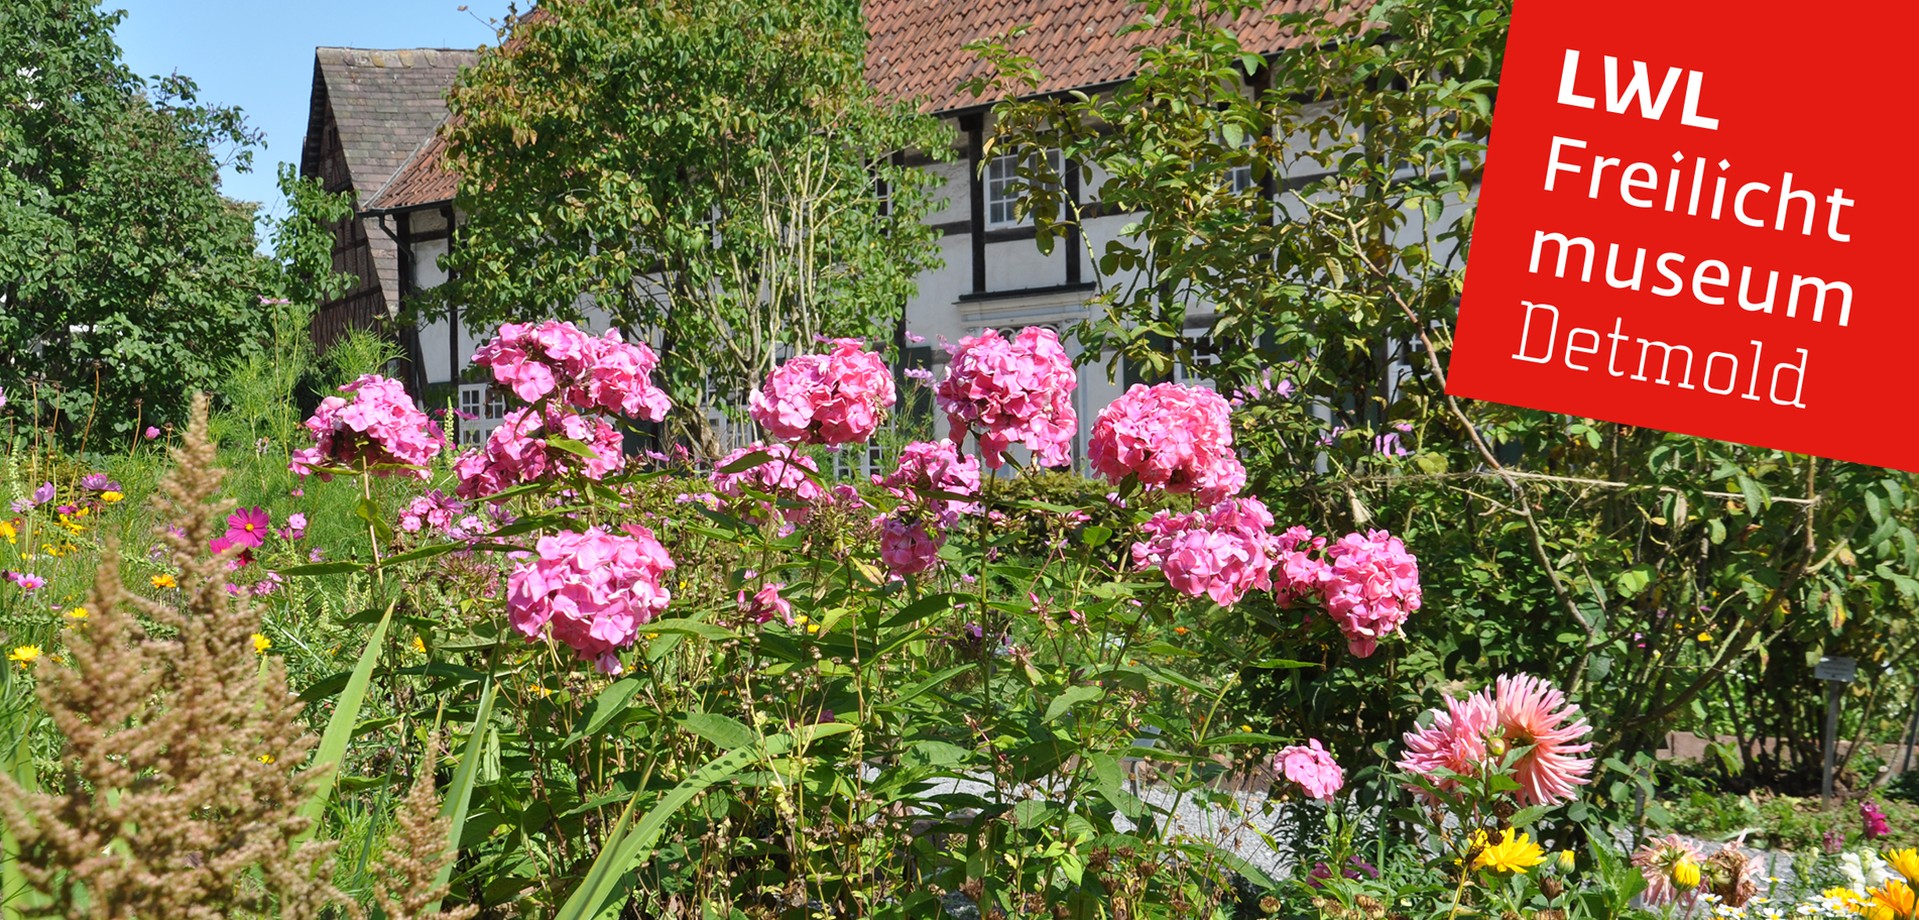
(1017, 391)
(783, 474)
(435, 510)
(1371, 587)
(835, 398)
(907, 546)
(1475, 734)
(935, 474)
(1312, 767)
(378, 427)
(516, 452)
(1222, 553)
(1172, 437)
(591, 590)
(1299, 572)
(295, 528)
(588, 372)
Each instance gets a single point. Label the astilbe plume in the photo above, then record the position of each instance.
(408, 883)
(835, 398)
(1171, 437)
(179, 732)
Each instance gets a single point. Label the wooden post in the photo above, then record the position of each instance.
(1912, 735)
(1832, 741)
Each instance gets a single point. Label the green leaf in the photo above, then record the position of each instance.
(1072, 696)
(339, 730)
(459, 796)
(609, 703)
(366, 510)
(321, 568)
(727, 733)
(571, 446)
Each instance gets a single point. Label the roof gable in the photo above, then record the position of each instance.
(382, 103)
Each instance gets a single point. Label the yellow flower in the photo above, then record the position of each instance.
(7, 531)
(267, 758)
(1894, 900)
(1906, 861)
(1705, 637)
(165, 581)
(24, 655)
(1685, 874)
(539, 691)
(1844, 897)
(261, 644)
(418, 645)
(1568, 860)
(79, 617)
(111, 497)
(1514, 852)
(812, 627)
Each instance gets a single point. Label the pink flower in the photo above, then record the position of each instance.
(1312, 768)
(588, 373)
(1298, 572)
(43, 494)
(296, 527)
(380, 427)
(783, 474)
(1875, 820)
(1474, 734)
(517, 451)
(767, 604)
(1655, 860)
(435, 510)
(591, 591)
(1171, 437)
(152, 433)
(1012, 392)
(1371, 587)
(27, 580)
(934, 473)
(907, 547)
(248, 527)
(1221, 554)
(835, 398)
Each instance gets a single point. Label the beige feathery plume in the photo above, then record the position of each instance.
(416, 852)
(182, 789)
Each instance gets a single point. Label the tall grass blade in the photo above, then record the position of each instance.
(339, 729)
(459, 796)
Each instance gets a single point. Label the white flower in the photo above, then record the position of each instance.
(27, 73)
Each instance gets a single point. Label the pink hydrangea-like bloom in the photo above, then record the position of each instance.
(783, 474)
(1222, 553)
(517, 452)
(1017, 391)
(1298, 571)
(535, 361)
(1371, 587)
(1312, 767)
(591, 591)
(835, 398)
(1475, 733)
(1655, 860)
(928, 467)
(908, 547)
(1172, 437)
(379, 427)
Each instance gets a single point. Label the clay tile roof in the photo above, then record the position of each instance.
(917, 49)
(383, 103)
(424, 180)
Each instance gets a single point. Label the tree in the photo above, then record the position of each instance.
(126, 279)
(711, 172)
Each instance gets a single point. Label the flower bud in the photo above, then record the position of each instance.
(1567, 860)
(1685, 874)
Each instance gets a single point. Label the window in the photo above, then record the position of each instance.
(1003, 187)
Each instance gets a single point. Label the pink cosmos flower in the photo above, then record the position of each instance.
(295, 528)
(27, 580)
(835, 398)
(248, 527)
(591, 591)
(380, 427)
(1312, 768)
(1017, 391)
(1221, 554)
(43, 494)
(767, 604)
(1172, 437)
(907, 547)
(1655, 860)
(782, 474)
(1475, 733)
(1371, 587)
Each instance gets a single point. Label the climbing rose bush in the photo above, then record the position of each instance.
(1171, 437)
(376, 429)
(591, 590)
(835, 398)
(1017, 391)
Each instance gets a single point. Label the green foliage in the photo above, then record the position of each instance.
(703, 170)
(109, 313)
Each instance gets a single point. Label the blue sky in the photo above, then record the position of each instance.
(259, 55)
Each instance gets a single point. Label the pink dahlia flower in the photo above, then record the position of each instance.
(835, 398)
(1371, 587)
(591, 591)
(1475, 733)
(1017, 391)
(929, 467)
(1312, 767)
(517, 452)
(1655, 861)
(908, 547)
(380, 427)
(783, 474)
(1222, 553)
(1171, 437)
